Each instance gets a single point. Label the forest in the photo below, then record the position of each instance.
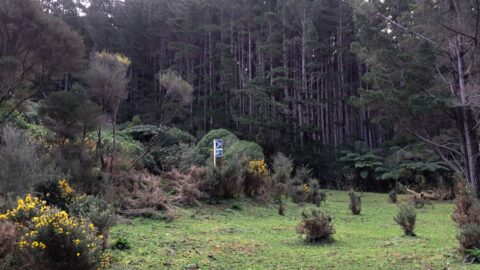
(239, 134)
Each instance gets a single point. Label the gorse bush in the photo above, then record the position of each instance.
(52, 238)
(282, 170)
(392, 196)
(281, 209)
(21, 165)
(469, 238)
(467, 209)
(56, 193)
(467, 216)
(257, 179)
(10, 257)
(299, 189)
(406, 218)
(315, 195)
(355, 204)
(316, 227)
(100, 214)
(225, 181)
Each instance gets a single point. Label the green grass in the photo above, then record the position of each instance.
(256, 237)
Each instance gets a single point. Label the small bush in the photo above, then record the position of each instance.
(469, 238)
(257, 180)
(21, 165)
(122, 243)
(225, 181)
(315, 195)
(56, 193)
(355, 204)
(10, 258)
(100, 214)
(299, 188)
(281, 209)
(406, 218)
(392, 196)
(419, 202)
(316, 227)
(467, 209)
(282, 171)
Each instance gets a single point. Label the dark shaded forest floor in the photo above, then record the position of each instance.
(247, 235)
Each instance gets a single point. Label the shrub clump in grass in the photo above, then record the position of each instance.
(406, 218)
(316, 227)
(281, 209)
(282, 171)
(299, 188)
(392, 196)
(467, 217)
(122, 243)
(355, 203)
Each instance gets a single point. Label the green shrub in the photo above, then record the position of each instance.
(170, 136)
(316, 227)
(244, 150)
(281, 209)
(142, 133)
(225, 181)
(467, 209)
(100, 214)
(469, 238)
(392, 196)
(299, 188)
(178, 156)
(10, 257)
(204, 146)
(56, 193)
(21, 163)
(257, 180)
(121, 243)
(136, 121)
(355, 203)
(315, 195)
(282, 171)
(406, 218)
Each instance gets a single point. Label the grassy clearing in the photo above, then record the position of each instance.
(256, 237)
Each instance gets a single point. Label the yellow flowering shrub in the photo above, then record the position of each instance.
(258, 167)
(257, 180)
(56, 193)
(53, 238)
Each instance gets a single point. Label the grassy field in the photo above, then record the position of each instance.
(256, 237)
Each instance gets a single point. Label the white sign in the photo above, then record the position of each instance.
(217, 150)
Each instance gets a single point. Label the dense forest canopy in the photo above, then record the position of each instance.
(306, 77)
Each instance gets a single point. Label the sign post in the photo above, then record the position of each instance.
(217, 150)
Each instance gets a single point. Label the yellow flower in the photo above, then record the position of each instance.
(78, 254)
(76, 242)
(66, 188)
